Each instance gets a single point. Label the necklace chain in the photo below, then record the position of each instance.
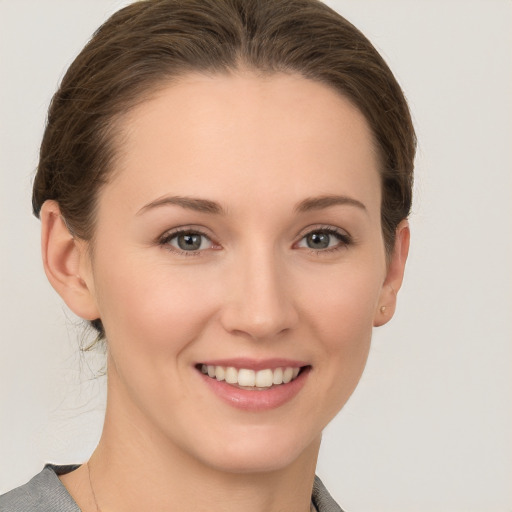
(98, 509)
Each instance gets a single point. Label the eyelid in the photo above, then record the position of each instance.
(164, 239)
(188, 228)
(344, 239)
(323, 227)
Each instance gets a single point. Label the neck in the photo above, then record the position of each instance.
(134, 468)
(125, 480)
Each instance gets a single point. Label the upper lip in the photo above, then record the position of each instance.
(255, 364)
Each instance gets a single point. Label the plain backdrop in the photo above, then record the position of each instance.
(430, 426)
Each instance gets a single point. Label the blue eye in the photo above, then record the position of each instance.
(322, 239)
(188, 241)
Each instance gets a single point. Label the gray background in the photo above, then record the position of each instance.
(429, 427)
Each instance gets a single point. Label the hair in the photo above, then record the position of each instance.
(150, 43)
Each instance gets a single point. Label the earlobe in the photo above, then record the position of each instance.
(63, 260)
(394, 275)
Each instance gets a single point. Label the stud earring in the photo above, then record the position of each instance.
(383, 309)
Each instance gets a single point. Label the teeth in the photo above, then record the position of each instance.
(278, 376)
(287, 375)
(246, 377)
(231, 375)
(249, 378)
(264, 378)
(220, 373)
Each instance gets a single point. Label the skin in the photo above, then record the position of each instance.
(258, 146)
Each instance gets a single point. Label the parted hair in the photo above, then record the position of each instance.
(150, 43)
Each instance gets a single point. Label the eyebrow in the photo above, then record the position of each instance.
(208, 206)
(190, 203)
(321, 202)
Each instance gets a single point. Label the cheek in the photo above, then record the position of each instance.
(343, 308)
(155, 308)
(345, 323)
(341, 316)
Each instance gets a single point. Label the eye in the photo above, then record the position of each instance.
(324, 239)
(187, 241)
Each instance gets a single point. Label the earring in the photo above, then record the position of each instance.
(383, 309)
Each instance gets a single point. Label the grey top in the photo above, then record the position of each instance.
(45, 493)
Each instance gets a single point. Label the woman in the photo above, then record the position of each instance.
(223, 188)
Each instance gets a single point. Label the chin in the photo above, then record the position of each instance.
(258, 451)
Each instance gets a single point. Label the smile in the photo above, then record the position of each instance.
(254, 385)
(249, 379)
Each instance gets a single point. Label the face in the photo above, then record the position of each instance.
(238, 246)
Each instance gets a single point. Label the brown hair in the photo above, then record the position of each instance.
(151, 42)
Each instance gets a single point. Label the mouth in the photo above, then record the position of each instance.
(252, 380)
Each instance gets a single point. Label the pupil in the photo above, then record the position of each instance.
(318, 240)
(189, 242)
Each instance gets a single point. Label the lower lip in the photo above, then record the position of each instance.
(257, 400)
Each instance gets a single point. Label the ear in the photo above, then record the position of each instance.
(66, 263)
(394, 276)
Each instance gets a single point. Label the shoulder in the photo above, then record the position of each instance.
(44, 493)
(321, 498)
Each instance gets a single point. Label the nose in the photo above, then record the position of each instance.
(259, 302)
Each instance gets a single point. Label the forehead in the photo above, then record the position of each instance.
(253, 133)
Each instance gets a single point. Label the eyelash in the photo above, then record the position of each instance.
(344, 239)
(165, 240)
